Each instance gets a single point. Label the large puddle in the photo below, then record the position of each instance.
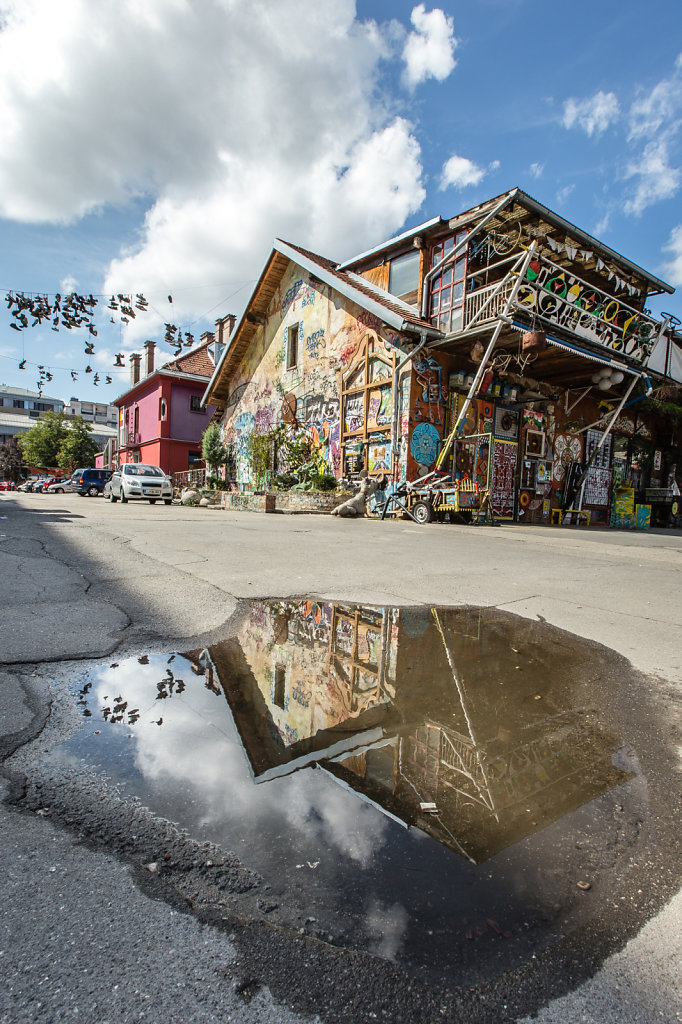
(441, 787)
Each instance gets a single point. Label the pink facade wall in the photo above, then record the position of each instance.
(184, 424)
(168, 443)
(148, 413)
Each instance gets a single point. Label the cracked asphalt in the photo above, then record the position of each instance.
(89, 931)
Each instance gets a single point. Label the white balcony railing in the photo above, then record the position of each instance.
(560, 299)
(483, 304)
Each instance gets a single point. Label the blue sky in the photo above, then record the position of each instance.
(160, 146)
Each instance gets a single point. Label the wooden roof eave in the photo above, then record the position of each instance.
(555, 219)
(218, 387)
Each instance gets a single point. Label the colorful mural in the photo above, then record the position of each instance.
(425, 444)
(330, 333)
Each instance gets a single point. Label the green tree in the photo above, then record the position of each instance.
(42, 442)
(78, 447)
(213, 450)
(11, 460)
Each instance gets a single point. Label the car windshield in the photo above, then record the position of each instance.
(140, 470)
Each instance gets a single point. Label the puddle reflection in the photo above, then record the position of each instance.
(444, 731)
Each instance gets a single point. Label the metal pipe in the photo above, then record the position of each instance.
(461, 245)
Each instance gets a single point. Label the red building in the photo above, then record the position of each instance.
(160, 418)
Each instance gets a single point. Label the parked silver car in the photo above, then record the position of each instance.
(61, 486)
(137, 480)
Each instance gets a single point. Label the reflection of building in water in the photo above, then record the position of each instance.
(470, 711)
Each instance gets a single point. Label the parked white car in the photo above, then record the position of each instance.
(139, 481)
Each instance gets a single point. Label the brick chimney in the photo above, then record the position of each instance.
(223, 330)
(149, 348)
(135, 360)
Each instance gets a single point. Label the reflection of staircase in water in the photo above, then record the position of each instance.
(462, 758)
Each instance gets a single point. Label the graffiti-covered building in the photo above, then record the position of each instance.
(504, 348)
(318, 348)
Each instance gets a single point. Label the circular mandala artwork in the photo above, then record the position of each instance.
(424, 444)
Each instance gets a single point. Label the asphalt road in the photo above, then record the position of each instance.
(88, 932)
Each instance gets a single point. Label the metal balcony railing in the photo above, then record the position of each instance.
(559, 298)
(562, 299)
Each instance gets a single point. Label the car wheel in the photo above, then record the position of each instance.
(112, 499)
(422, 512)
(152, 501)
(124, 499)
(93, 492)
(58, 490)
(168, 501)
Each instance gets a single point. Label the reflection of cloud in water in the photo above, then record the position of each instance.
(196, 751)
(319, 807)
(386, 927)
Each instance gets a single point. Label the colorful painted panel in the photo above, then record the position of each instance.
(503, 478)
(623, 513)
(544, 472)
(472, 460)
(485, 416)
(642, 517)
(424, 444)
(379, 455)
(354, 458)
(506, 423)
(379, 369)
(353, 412)
(380, 408)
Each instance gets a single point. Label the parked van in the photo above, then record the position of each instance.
(90, 481)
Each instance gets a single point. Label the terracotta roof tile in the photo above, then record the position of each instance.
(409, 313)
(198, 362)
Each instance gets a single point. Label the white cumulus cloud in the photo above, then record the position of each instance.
(673, 268)
(459, 171)
(564, 193)
(429, 50)
(655, 178)
(593, 115)
(659, 109)
(236, 122)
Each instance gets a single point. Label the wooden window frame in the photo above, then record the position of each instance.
(370, 347)
(293, 337)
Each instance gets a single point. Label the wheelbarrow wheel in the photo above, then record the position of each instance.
(422, 512)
